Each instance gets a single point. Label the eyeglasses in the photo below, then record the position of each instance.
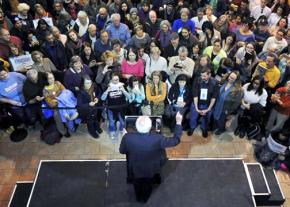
(115, 79)
(256, 83)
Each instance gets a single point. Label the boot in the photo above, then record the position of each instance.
(92, 129)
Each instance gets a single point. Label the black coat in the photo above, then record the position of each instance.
(83, 100)
(146, 152)
(60, 58)
(174, 93)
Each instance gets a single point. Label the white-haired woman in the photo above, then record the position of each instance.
(82, 23)
(24, 16)
(156, 63)
(164, 34)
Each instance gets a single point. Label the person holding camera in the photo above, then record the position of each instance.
(146, 155)
(180, 64)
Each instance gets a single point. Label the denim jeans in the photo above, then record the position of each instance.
(112, 121)
(194, 115)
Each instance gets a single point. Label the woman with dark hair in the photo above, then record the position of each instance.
(229, 44)
(202, 62)
(195, 51)
(282, 24)
(229, 99)
(137, 95)
(216, 53)
(133, 65)
(125, 14)
(274, 17)
(253, 102)
(74, 44)
(209, 34)
(246, 59)
(245, 34)
(41, 29)
(179, 96)
(88, 98)
(89, 58)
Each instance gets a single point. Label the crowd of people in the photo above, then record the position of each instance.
(89, 61)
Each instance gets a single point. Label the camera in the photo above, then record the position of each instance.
(177, 66)
(156, 124)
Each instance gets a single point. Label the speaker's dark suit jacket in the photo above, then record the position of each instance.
(146, 152)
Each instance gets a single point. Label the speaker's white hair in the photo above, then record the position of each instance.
(143, 124)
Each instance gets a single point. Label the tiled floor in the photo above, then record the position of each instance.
(19, 161)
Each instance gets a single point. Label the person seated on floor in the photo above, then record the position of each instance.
(88, 98)
(73, 76)
(52, 92)
(11, 93)
(205, 92)
(116, 98)
(253, 103)
(180, 97)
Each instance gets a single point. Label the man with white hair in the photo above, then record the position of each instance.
(82, 23)
(118, 30)
(146, 155)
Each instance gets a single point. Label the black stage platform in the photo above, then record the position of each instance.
(200, 183)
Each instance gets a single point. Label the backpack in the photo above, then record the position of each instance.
(50, 134)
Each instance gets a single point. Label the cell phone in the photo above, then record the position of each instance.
(34, 39)
(110, 67)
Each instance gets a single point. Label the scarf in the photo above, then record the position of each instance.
(82, 28)
(220, 102)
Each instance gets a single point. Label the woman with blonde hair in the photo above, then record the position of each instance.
(156, 91)
(228, 100)
(40, 12)
(24, 16)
